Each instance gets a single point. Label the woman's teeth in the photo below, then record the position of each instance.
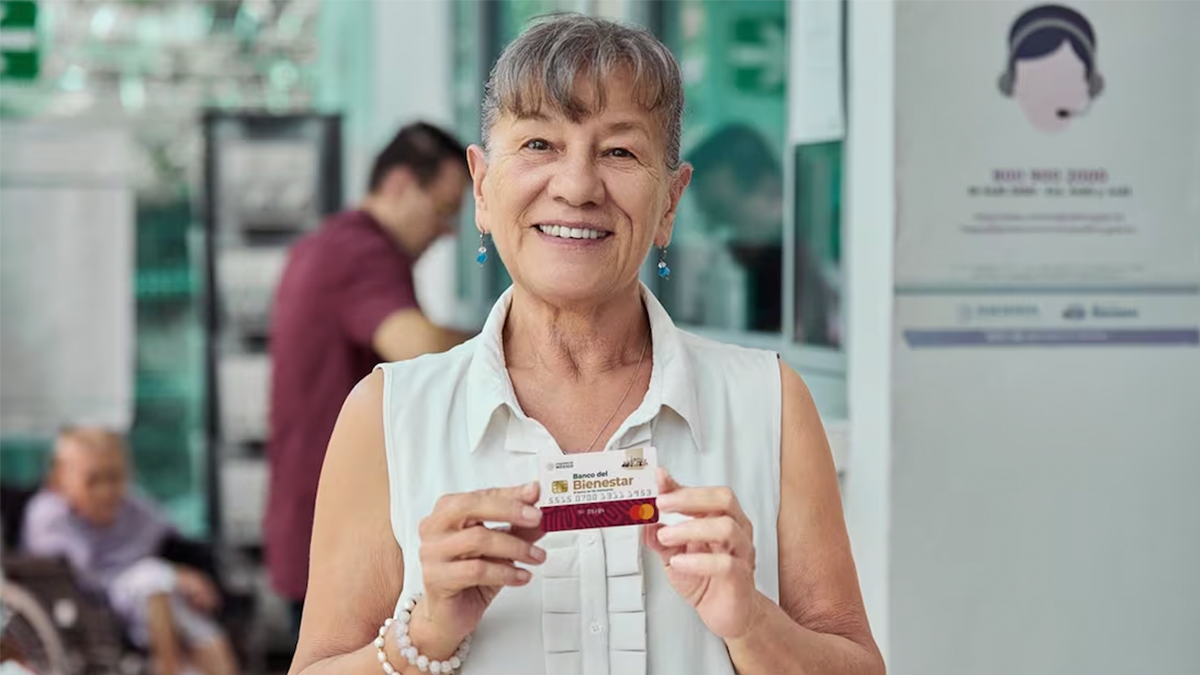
(571, 232)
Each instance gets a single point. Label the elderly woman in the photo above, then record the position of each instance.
(425, 509)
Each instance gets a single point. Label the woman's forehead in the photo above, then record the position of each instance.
(614, 111)
(610, 119)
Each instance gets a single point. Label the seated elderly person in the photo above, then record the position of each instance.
(112, 540)
(426, 512)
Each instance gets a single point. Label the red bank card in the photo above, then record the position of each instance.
(598, 489)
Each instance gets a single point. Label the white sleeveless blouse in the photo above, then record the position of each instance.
(600, 604)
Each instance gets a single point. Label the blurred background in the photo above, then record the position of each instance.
(1019, 483)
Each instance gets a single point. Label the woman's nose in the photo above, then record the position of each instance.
(576, 180)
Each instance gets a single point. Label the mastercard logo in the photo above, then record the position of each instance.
(641, 512)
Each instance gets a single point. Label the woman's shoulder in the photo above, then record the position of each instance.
(746, 366)
(428, 375)
(707, 354)
(457, 357)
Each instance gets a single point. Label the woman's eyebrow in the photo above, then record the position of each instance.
(627, 125)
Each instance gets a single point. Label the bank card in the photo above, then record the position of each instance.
(598, 489)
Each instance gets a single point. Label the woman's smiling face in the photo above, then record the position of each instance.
(574, 206)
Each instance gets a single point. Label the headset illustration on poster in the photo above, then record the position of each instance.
(1052, 67)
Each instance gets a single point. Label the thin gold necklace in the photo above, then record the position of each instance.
(637, 369)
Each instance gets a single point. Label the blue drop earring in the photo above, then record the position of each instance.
(664, 272)
(482, 257)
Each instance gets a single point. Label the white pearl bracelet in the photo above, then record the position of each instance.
(409, 651)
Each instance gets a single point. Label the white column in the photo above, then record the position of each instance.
(870, 219)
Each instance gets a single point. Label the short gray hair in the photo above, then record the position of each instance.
(540, 68)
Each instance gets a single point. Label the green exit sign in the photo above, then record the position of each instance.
(19, 57)
(758, 54)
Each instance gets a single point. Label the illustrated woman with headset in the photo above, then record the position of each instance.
(1051, 68)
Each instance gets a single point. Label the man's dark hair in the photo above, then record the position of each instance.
(739, 147)
(421, 147)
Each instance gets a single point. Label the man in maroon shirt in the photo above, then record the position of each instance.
(345, 303)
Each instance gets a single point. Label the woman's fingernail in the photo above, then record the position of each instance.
(530, 515)
(664, 537)
(537, 554)
(529, 490)
(523, 576)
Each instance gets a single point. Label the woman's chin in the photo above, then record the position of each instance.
(571, 284)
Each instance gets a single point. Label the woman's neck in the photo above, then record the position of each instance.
(575, 342)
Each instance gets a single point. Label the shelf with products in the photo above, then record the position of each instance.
(269, 179)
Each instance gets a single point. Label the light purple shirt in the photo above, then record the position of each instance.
(98, 554)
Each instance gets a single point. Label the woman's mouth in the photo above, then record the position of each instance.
(568, 232)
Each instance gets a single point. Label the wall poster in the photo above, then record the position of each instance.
(1051, 151)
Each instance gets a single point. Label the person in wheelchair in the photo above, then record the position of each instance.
(113, 541)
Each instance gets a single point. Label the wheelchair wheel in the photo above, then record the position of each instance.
(27, 634)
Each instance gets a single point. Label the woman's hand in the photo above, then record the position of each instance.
(466, 564)
(709, 559)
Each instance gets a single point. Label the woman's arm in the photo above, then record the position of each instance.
(356, 570)
(820, 625)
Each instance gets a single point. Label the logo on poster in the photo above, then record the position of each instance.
(1051, 70)
(1075, 313)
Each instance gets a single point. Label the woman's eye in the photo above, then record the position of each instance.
(537, 144)
(621, 153)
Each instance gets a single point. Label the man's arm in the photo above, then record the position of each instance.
(408, 333)
(378, 308)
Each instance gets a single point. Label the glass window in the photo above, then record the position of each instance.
(727, 252)
(469, 74)
(818, 244)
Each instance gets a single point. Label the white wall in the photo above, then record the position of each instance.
(57, 213)
(1044, 510)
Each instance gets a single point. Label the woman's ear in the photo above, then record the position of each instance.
(662, 238)
(477, 164)
(679, 181)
